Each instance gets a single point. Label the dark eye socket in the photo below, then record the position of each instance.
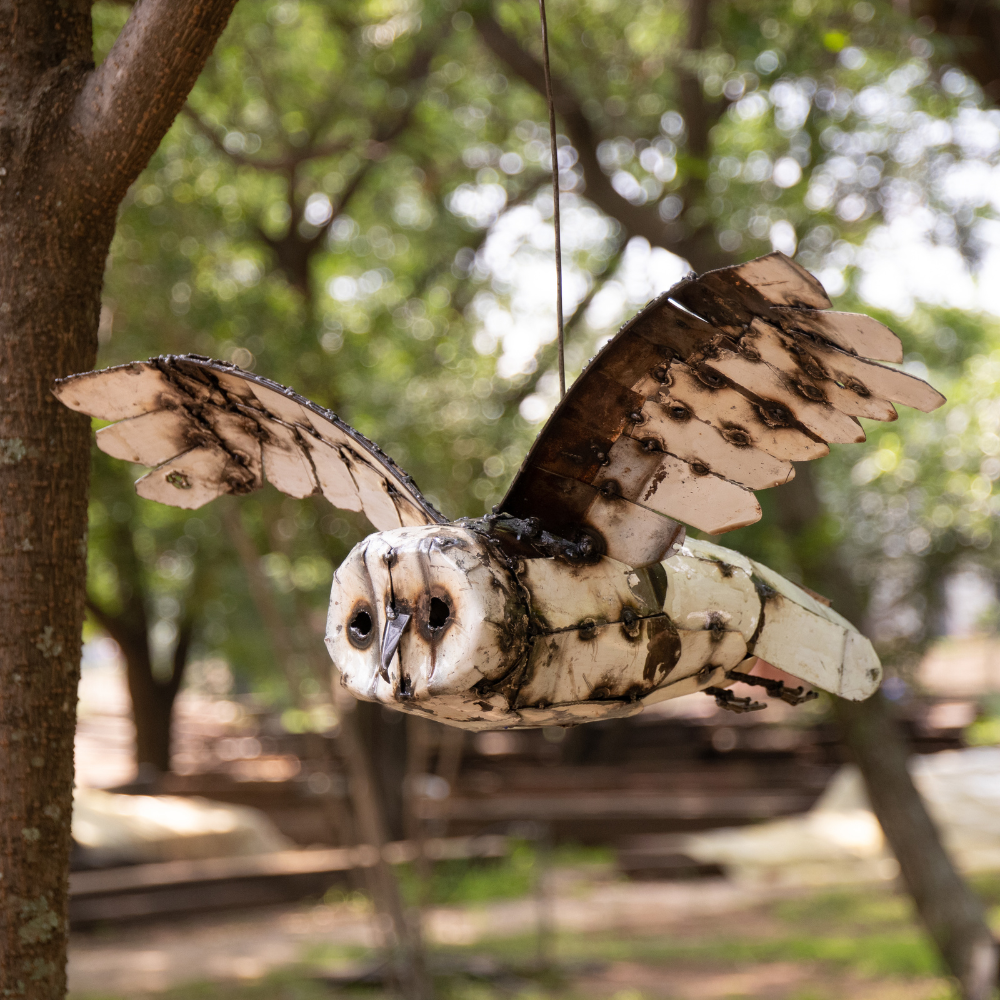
(437, 616)
(361, 628)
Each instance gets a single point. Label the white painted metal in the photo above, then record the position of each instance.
(696, 441)
(116, 393)
(225, 434)
(670, 486)
(703, 591)
(759, 377)
(189, 481)
(286, 462)
(776, 349)
(401, 571)
(148, 439)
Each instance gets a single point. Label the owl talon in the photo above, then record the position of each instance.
(725, 698)
(775, 688)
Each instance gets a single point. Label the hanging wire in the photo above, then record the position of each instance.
(555, 199)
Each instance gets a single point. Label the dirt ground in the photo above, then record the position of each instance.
(703, 940)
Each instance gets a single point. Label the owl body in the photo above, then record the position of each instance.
(440, 621)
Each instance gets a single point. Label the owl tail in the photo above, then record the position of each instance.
(800, 635)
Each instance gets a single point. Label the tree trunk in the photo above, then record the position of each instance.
(152, 698)
(51, 267)
(152, 709)
(974, 27)
(72, 139)
(48, 328)
(405, 947)
(382, 733)
(951, 913)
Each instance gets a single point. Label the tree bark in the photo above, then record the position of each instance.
(72, 139)
(950, 912)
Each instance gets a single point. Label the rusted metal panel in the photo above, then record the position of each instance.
(738, 417)
(613, 661)
(779, 280)
(661, 482)
(729, 455)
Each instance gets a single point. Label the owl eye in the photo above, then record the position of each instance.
(437, 615)
(361, 628)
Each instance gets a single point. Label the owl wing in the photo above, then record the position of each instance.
(711, 392)
(210, 428)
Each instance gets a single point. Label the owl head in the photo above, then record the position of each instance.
(425, 612)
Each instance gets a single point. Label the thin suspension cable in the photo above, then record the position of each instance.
(555, 199)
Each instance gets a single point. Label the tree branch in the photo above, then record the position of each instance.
(114, 625)
(281, 163)
(637, 220)
(130, 101)
(545, 355)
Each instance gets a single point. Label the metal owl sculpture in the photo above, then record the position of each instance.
(579, 598)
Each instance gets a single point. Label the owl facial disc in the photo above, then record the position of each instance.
(419, 616)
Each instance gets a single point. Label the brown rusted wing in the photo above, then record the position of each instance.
(211, 428)
(709, 393)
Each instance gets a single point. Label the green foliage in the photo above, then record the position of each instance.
(475, 881)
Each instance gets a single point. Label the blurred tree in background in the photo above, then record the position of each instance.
(354, 202)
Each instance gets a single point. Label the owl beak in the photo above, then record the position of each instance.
(395, 626)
